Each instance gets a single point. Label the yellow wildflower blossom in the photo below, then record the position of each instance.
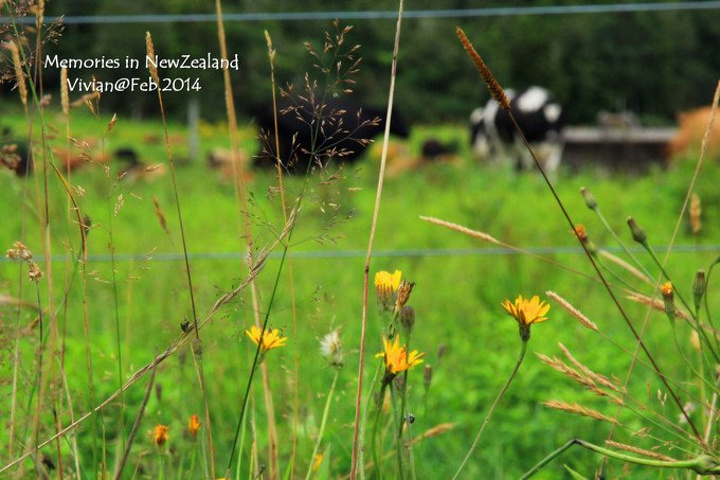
(396, 357)
(526, 312)
(386, 286)
(270, 339)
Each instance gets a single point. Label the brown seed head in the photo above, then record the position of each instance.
(493, 86)
(403, 293)
(151, 55)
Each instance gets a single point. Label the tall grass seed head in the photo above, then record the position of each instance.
(386, 286)
(332, 349)
(526, 312)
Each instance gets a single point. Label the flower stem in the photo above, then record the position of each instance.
(373, 438)
(499, 397)
(702, 464)
(326, 411)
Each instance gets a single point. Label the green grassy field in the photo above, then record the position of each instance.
(460, 283)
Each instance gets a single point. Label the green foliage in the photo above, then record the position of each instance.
(456, 298)
(653, 63)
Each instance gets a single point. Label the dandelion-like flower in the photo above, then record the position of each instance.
(332, 349)
(193, 426)
(386, 286)
(526, 312)
(396, 357)
(270, 339)
(160, 435)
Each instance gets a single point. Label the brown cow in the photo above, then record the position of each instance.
(691, 129)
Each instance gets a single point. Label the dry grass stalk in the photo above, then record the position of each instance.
(578, 409)
(496, 90)
(595, 377)
(461, 229)
(622, 263)
(151, 54)
(19, 74)
(64, 93)
(640, 451)
(656, 304)
(558, 365)
(357, 448)
(573, 311)
(160, 215)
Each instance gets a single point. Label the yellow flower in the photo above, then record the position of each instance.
(386, 286)
(160, 434)
(526, 312)
(193, 426)
(317, 462)
(270, 339)
(667, 289)
(396, 357)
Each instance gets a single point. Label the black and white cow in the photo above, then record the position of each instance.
(540, 117)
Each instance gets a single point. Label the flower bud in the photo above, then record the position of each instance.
(698, 288)
(668, 299)
(407, 317)
(638, 233)
(427, 376)
(589, 198)
(403, 293)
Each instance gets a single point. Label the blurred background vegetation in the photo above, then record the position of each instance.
(652, 63)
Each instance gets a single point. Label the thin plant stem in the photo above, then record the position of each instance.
(323, 423)
(373, 227)
(495, 403)
(256, 361)
(624, 315)
(291, 273)
(363, 423)
(697, 326)
(702, 464)
(241, 195)
(136, 425)
(197, 347)
(620, 242)
(374, 434)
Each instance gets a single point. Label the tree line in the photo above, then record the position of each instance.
(652, 63)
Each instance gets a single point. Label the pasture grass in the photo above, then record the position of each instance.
(116, 310)
(459, 285)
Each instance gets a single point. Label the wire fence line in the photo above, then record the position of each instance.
(347, 254)
(383, 14)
